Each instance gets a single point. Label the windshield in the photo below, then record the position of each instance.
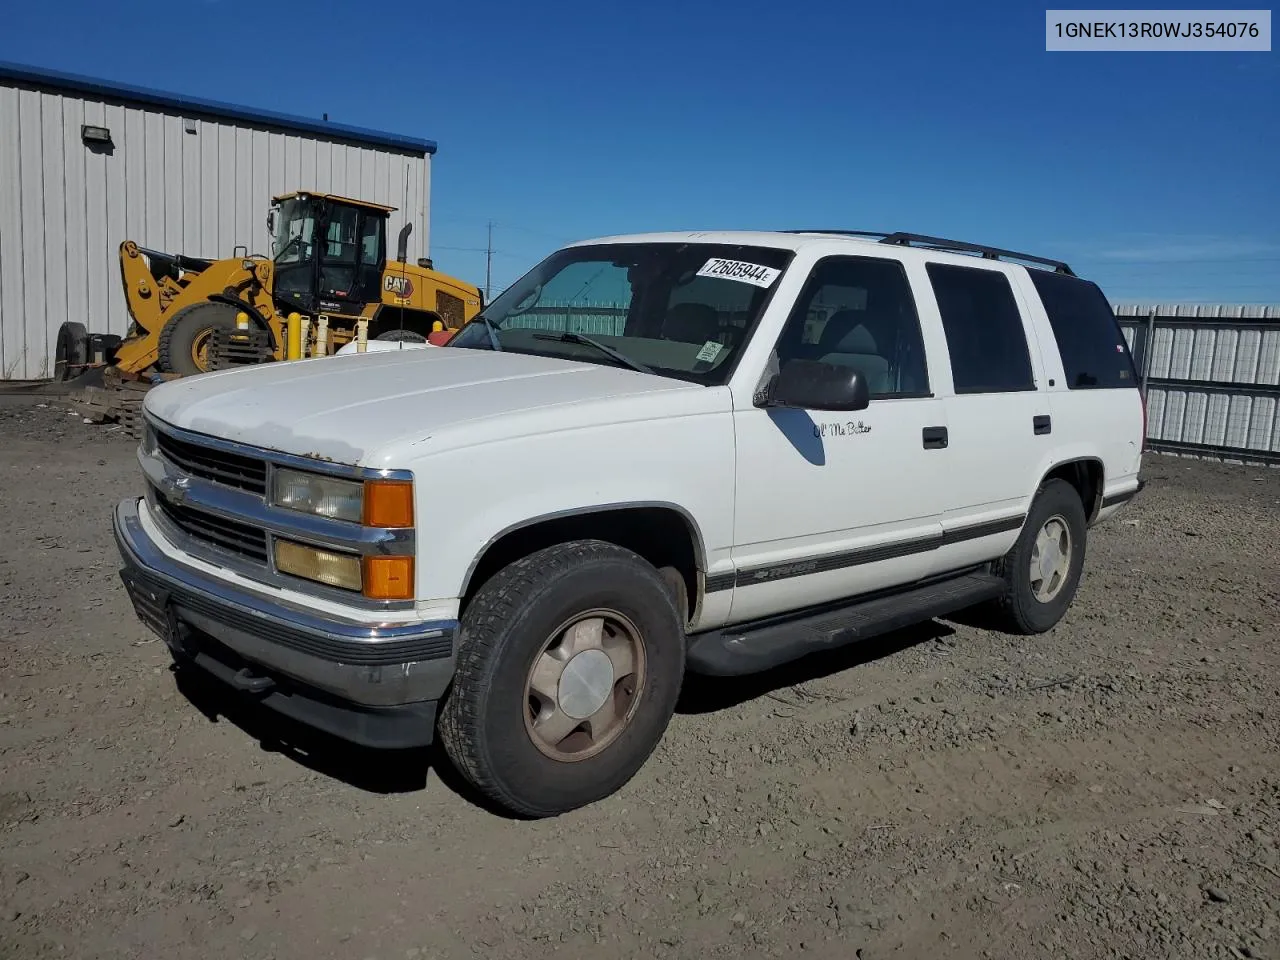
(680, 309)
(295, 230)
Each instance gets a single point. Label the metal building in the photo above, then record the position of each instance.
(86, 164)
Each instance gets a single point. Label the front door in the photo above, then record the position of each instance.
(833, 505)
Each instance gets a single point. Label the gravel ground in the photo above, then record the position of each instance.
(1111, 789)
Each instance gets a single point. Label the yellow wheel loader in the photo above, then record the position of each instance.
(328, 274)
(329, 259)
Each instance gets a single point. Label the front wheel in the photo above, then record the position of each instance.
(184, 342)
(570, 662)
(1042, 571)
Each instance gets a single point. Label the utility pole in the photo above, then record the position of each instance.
(488, 266)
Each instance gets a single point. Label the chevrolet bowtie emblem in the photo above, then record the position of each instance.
(176, 489)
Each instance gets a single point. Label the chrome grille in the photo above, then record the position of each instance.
(208, 463)
(239, 538)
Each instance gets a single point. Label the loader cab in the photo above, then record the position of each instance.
(329, 252)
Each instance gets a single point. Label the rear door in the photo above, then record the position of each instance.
(998, 414)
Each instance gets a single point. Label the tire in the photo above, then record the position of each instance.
(489, 724)
(1022, 608)
(184, 340)
(71, 350)
(404, 336)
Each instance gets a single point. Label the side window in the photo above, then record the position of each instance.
(985, 337)
(341, 240)
(370, 235)
(1093, 350)
(858, 312)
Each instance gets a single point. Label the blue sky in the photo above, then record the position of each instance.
(1153, 173)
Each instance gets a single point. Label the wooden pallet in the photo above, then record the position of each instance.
(235, 348)
(118, 400)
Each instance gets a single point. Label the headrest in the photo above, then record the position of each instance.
(846, 333)
(691, 323)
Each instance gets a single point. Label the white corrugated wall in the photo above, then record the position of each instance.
(1224, 361)
(65, 209)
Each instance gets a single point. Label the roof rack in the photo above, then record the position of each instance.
(903, 239)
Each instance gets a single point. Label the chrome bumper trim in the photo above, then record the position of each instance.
(366, 663)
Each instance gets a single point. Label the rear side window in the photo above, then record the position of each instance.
(985, 338)
(1094, 352)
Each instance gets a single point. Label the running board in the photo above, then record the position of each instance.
(752, 648)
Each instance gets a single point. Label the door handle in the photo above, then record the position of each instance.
(935, 438)
(1042, 424)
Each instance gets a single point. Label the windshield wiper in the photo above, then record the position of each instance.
(491, 328)
(567, 337)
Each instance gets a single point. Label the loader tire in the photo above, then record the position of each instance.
(402, 336)
(184, 340)
(71, 351)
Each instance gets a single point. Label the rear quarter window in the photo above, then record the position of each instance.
(1094, 353)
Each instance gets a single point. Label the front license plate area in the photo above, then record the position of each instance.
(152, 606)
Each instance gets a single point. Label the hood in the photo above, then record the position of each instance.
(349, 408)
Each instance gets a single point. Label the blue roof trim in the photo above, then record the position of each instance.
(120, 91)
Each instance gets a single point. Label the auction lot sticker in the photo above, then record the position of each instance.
(754, 273)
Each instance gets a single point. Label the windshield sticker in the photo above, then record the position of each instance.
(753, 273)
(710, 350)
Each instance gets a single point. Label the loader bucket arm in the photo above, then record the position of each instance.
(141, 289)
(154, 296)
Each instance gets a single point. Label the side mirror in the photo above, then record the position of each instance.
(271, 223)
(813, 385)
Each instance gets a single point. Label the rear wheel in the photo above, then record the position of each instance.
(570, 662)
(185, 340)
(1042, 571)
(71, 350)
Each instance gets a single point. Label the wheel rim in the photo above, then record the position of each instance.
(584, 686)
(200, 348)
(1050, 559)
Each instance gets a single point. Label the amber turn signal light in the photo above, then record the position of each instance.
(388, 503)
(388, 578)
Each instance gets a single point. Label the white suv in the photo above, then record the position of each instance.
(653, 453)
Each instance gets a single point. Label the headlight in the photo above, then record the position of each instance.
(148, 441)
(323, 496)
(375, 503)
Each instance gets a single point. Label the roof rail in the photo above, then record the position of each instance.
(847, 233)
(903, 239)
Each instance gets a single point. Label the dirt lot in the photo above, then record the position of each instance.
(1109, 790)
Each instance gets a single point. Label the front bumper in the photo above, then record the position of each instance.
(371, 683)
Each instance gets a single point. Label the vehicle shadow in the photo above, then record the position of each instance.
(706, 694)
(365, 768)
(407, 771)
